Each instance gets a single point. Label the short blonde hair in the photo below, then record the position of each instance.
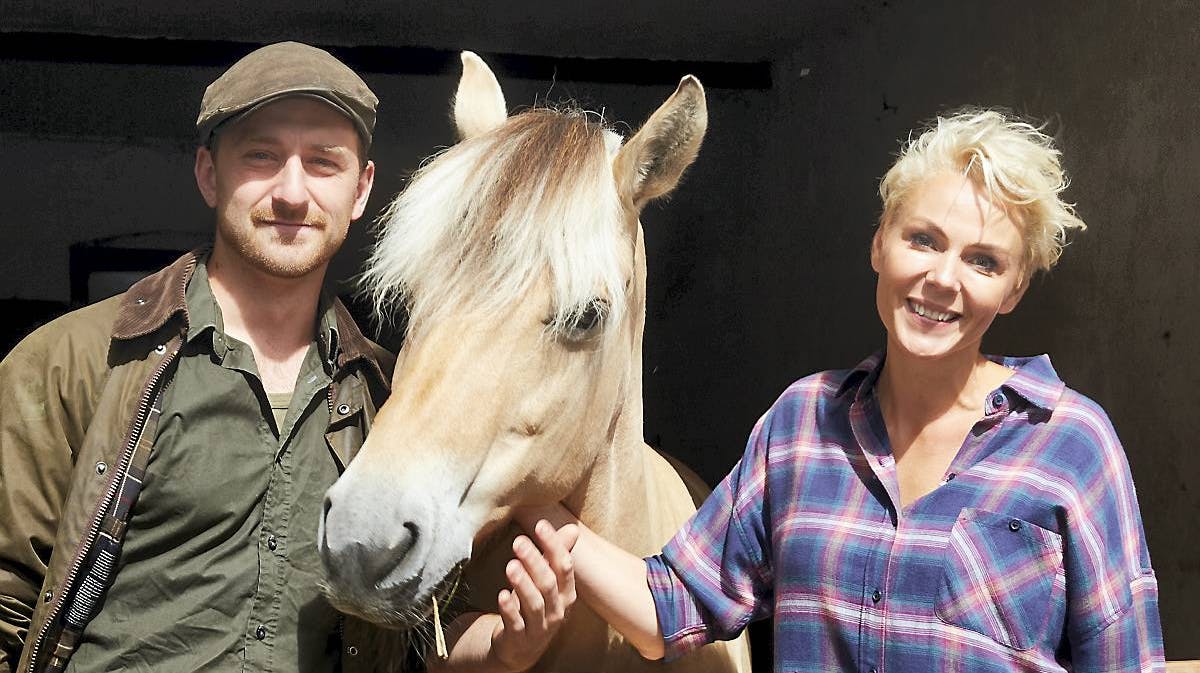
(1013, 161)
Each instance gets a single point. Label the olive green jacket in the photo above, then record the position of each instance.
(74, 398)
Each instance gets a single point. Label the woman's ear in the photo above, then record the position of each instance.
(1010, 302)
(877, 248)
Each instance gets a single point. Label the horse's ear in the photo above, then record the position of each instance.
(479, 103)
(649, 165)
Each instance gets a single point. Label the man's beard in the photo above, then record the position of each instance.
(283, 256)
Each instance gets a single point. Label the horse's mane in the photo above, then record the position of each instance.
(483, 220)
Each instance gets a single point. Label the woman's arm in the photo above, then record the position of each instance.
(542, 589)
(611, 580)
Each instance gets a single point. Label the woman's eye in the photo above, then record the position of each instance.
(984, 263)
(921, 240)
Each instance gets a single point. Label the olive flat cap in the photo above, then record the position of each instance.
(287, 69)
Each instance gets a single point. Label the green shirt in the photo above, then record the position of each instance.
(220, 568)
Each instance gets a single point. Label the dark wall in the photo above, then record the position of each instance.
(758, 263)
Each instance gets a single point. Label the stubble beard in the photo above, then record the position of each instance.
(273, 254)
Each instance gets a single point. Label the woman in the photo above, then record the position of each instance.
(933, 508)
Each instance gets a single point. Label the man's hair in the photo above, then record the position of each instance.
(1014, 162)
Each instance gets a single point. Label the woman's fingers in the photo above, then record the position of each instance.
(532, 600)
(510, 612)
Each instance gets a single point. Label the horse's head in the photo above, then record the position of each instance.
(518, 255)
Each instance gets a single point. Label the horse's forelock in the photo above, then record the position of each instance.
(480, 222)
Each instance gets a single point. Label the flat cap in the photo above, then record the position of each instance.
(287, 69)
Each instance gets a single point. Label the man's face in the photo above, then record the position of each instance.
(285, 182)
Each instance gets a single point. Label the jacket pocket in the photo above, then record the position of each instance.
(999, 577)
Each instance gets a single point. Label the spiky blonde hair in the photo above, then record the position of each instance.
(1014, 162)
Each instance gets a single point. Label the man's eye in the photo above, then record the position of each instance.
(259, 156)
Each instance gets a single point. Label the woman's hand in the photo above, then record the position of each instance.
(542, 590)
(611, 580)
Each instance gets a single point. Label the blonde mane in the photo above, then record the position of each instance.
(481, 222)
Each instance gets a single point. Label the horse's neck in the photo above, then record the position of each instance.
(619, 498)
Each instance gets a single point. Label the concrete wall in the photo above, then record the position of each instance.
(758, 264)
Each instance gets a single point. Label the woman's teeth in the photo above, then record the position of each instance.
(931, 314)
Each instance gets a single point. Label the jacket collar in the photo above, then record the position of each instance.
(158, 298)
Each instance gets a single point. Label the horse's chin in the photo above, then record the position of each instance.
(403, 606)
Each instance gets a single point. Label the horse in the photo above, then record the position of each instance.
(519, 256)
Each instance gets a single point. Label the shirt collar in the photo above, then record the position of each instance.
(204, 315)
(206, 322)
(1033, 379)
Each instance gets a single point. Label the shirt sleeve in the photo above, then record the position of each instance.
(714, 576)
(1112, 595)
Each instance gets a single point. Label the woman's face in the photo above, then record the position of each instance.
(949, 262)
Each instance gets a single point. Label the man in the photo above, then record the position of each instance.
(164, 453)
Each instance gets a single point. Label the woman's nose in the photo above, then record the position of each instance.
(944, 273)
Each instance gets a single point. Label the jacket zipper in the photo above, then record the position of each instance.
(143, 412)
(135, 433)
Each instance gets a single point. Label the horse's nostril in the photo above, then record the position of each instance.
(379, 561)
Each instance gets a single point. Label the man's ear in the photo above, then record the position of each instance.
(206, 175)
(366, 179)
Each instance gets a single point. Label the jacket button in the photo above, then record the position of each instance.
(272, 543)
(160, 349)
(343, 409)
(101, 467)
(352, 651)
(260, 632)
(48, 596)
(1014, 525)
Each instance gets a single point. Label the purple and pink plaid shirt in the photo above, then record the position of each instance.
(1030, 556)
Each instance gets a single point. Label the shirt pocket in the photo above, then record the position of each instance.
(1000, 576)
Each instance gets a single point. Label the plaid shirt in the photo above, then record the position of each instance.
(1029, 557)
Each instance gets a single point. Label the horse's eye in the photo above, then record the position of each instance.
(590, 317)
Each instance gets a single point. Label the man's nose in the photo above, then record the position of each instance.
(291, 190)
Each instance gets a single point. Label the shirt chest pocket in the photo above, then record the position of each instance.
(1001, 578)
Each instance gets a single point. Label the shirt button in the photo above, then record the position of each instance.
(873, 670)
(260, 632)
(877, 596)
(998, 400)
(1014, 525)
(272, 543)
(951, 476)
